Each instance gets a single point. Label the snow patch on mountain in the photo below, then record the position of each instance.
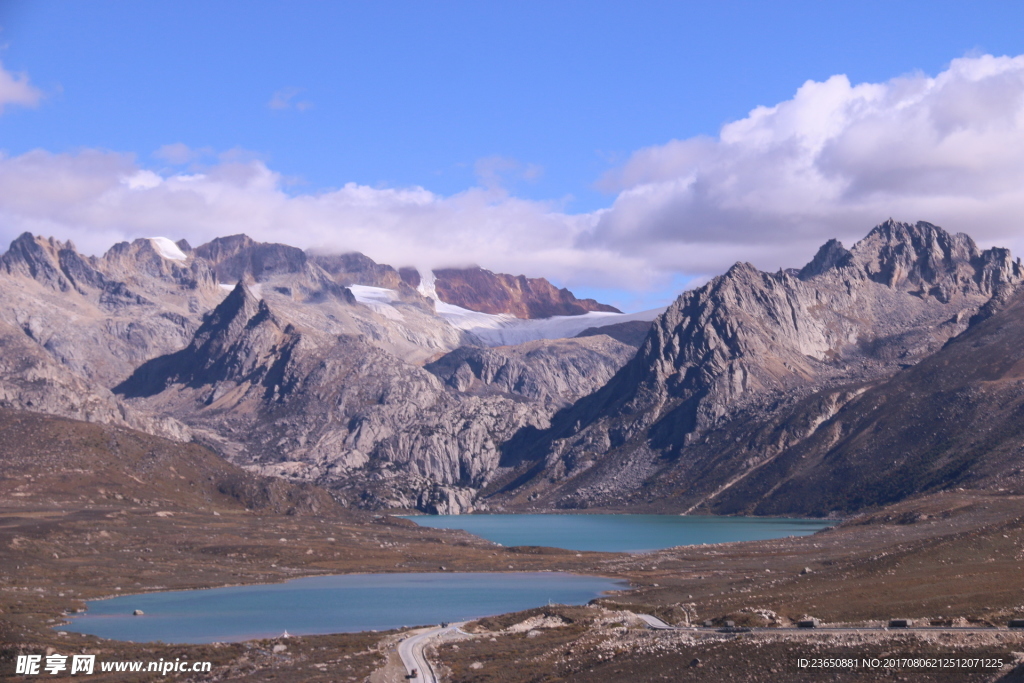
(504, 330)
(378, 299)
(168, 249)
(365, 294)
(426, 286)
(501, 329)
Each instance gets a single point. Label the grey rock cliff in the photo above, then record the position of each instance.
(748, 341)
(278, 389)
(263, 351)
(552, 373)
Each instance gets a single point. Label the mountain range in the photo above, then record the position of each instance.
(868, 375)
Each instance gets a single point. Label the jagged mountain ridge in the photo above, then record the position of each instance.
(281, 395)
(954, 419)
(745, 346)
(292, 374)
(475, 289)
(246, 370)
(72, 329)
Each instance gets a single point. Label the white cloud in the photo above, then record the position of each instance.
(142, 180)
(15, 89)
(832, 161)
(97, 198)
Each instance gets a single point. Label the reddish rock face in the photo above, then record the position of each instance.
(486, 292)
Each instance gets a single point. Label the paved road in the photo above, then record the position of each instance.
(411, 652)
(659, 625)
(411, 649)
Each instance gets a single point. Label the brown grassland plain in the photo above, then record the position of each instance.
(88, 511)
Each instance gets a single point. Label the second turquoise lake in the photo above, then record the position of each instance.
(621, 533)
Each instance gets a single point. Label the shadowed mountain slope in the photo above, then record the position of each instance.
(47, 459)
(954, 419)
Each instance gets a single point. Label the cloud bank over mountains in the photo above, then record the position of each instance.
(832, 161)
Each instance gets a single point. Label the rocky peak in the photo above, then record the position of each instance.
(233, 343)
(54, 264)
(227, 321)
(143, 259)
(222, 248)
(831, 255)
(239, 256)
(706, 342)
(748, 339)
(919, 257)
(357, 269)
(907, 256)
(38, 258)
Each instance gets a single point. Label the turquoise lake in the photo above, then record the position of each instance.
(621, 533)
(330, 604)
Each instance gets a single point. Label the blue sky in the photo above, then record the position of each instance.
(504, 113)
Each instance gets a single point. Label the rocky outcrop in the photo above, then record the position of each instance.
(32, 380)
(486, 292)
(37, 259)
(140, 266)
(286, 269)
(952, 420)
(234, 342)
(357, 269)
(748, 341)
(290, 400)
(236, 257)
(831, 255)
(552, 373)
(94, 324)
(632, 332)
